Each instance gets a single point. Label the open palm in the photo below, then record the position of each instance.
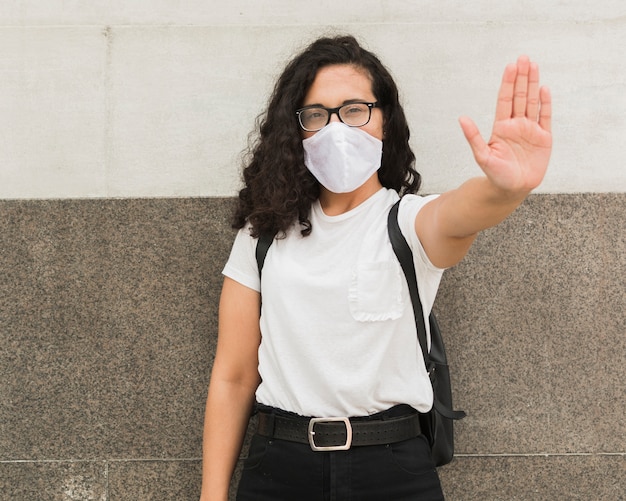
(516, 157)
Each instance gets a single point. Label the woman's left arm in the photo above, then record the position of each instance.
(514, 162)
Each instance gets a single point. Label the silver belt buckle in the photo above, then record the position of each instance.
(343, 447)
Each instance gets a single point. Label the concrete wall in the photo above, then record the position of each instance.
(121, 129)
(156, 98)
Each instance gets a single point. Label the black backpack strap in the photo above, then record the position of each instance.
(405, 257)
(262, 246)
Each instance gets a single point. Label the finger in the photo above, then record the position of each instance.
(545, 112)
(532, 101)
(520, 93)
(477, 143)
(504, 106)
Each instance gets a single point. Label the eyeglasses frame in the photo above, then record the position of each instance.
(335, 111)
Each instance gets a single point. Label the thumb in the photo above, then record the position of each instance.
(477, 143)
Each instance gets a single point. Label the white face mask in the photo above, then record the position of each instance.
(342, 158)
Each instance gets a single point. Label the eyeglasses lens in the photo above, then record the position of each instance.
(314, 118)
(354, 114)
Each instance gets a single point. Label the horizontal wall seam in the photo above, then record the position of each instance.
(336, 23)
(164, 460)
(99, 460)
(546, 454)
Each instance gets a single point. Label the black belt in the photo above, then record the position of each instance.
(338, 434)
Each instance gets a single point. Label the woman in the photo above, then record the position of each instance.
(334, 336)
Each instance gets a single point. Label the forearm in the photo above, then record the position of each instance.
(475, 206)
(234, 380)
(227, 412)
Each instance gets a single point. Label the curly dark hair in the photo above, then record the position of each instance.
(279, 189)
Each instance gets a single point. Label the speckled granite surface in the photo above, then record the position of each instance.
(108, 317)
(536, 478)
(53, 481)
(109, 314)
(537, 329)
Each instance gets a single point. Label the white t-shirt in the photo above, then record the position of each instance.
(337, 325)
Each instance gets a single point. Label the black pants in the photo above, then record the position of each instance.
(278, 470)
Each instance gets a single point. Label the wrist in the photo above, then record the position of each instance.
(504, 196)
(214, 497)
(212, 492)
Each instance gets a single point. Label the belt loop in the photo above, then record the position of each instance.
(270, 422)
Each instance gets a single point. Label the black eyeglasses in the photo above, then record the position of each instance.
(313, 118)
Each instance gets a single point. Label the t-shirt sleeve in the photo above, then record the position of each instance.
(409, 208)
(241, 265)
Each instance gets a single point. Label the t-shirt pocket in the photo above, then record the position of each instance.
(375, 291)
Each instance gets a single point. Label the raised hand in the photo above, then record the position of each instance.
(516, 157)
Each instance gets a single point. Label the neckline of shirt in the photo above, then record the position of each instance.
(319, 212)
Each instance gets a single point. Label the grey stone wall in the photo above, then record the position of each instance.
(108, 318)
